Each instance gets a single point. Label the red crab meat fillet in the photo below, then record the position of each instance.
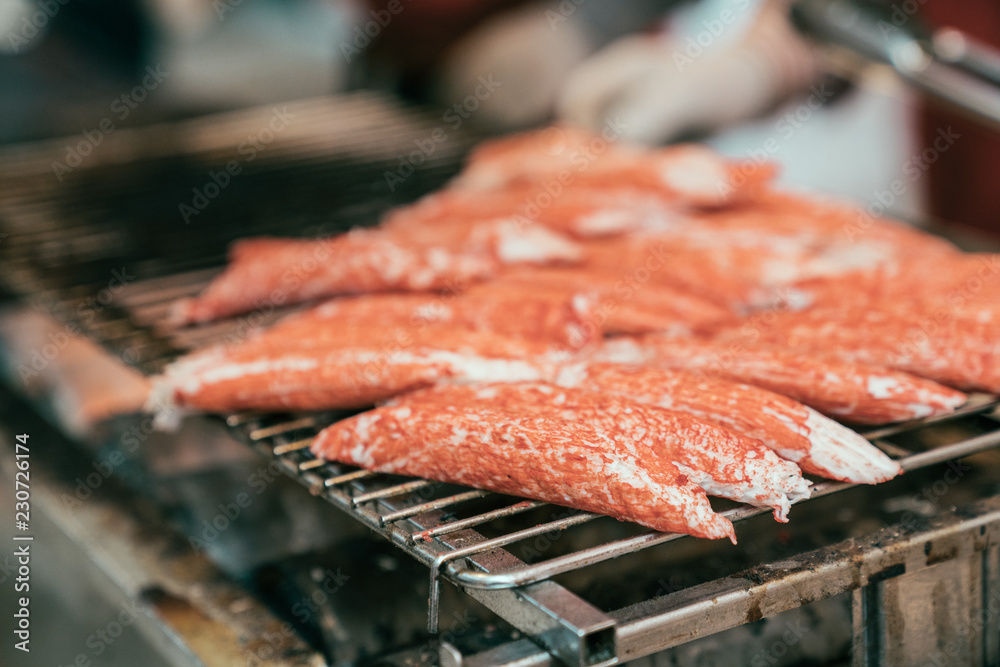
(352, 370)
(264, 271)
(969, 282)
(547, 459)
(722, 463)
(623, 304)
(852, 391)
(276, 271)
(558, 318)
(577, 210)
(794, 431)
(956, 345)
(689, 174)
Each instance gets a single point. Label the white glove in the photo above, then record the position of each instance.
(528, 53)
(659, 88)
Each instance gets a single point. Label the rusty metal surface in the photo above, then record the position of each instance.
(188, 609)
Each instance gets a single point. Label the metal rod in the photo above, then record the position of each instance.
(391, 491)
(948, 452)
(440, 503)
(504, 540)
(434, 603)
(976, 404)
(348, 477)
(290, 447)
(895, 451)
(479, 519)
(284, 427)
(241, 418)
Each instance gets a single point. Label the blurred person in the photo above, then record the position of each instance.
(436, 50)
(736, 74)
(723, 68)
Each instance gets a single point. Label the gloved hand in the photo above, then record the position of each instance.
(528, 52)
(659, 88)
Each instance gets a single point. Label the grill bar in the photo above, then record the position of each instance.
(391, 491)
(282, 428)
(348, 477)
(977, 404)
(433, 505)
(478, 520)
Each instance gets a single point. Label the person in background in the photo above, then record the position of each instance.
(736, 74)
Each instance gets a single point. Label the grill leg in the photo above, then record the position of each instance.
(944, 615)
(868, 626)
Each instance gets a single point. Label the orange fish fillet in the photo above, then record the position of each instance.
(561, 319)
(351, 370)
(773, 251)
(722, 463)
(958, 346)
(852, 391)
(543, 458)
(689, 174)
(794, 431)
(626, 302)
(577, 210)
(270, 271)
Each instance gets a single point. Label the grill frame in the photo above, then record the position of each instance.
(568, 627)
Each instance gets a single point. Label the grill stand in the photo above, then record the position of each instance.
(927, 596)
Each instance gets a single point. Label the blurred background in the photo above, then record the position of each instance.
(835, 91)
(732, 72)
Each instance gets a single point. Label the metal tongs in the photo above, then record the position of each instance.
(943, 63)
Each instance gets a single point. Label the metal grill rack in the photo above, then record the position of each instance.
(63, 240)
(454, 551)
(426, 520)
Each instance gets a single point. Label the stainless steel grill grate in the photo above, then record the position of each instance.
(425, 518)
